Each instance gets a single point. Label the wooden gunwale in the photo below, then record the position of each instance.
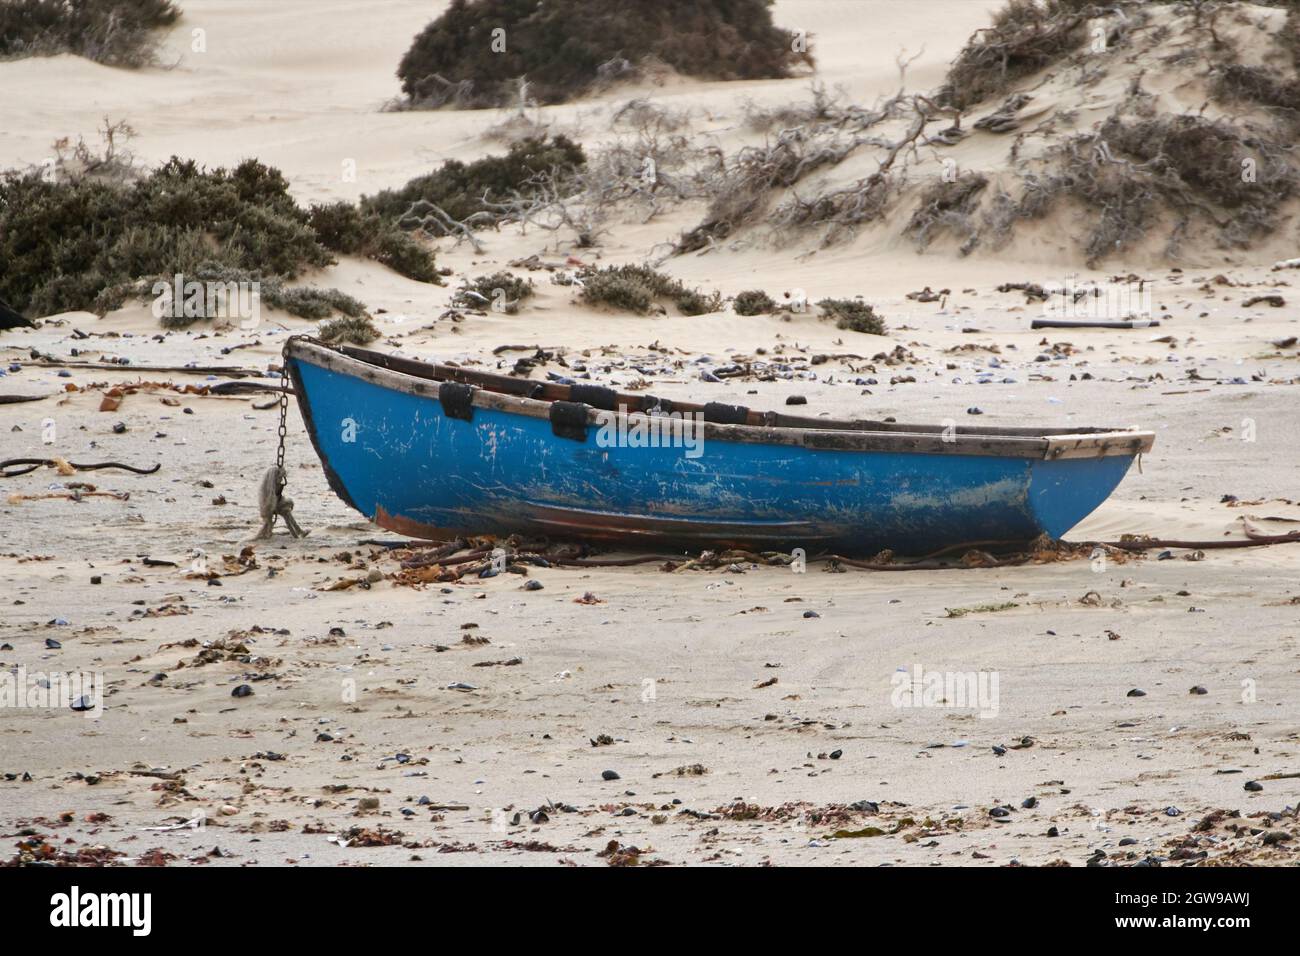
(533, 399)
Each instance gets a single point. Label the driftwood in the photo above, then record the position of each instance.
(230, 372)
(1088, 324)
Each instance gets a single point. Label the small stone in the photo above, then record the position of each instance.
(1254, 786)
(999, 812)
(1029, 803)
(243, 690)
(1198, 689)
(368, 803)
(796, 400)
(1135, 692)
(1273, 837)
(52, 644)
(836, 754)
(532, 585)
(609, 775)
(811, 614)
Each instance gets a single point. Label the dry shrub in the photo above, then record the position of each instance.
(1132, 174)
(948, 206)
(1026, 36)
(476, 52)
(740, 191)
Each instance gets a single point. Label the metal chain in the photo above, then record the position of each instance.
(283, 478)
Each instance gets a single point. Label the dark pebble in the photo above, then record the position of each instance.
(243, 690)
(609, 775)
(796, 400)
(1136, 693)
(1253, 786)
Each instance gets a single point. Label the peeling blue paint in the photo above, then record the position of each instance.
(414, 470)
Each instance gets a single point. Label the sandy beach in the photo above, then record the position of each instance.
(637, 714)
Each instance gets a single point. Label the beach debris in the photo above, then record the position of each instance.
(1273, 299)
(13, 467)
(243, 690)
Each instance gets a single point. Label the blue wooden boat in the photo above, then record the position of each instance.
(437, 451)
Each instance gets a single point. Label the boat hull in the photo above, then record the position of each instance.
(396, 457)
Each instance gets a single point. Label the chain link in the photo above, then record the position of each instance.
(283, 478)
(284, 402)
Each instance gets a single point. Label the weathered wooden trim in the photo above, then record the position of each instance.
(533, 399)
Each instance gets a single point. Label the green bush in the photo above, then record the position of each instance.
(342, 227)
(853, 315)
(636, 289)
(754, 302)
(349, 331)
(114, 32)
(565, 47)
(459, 188)
(482, 292)
(78, 244)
